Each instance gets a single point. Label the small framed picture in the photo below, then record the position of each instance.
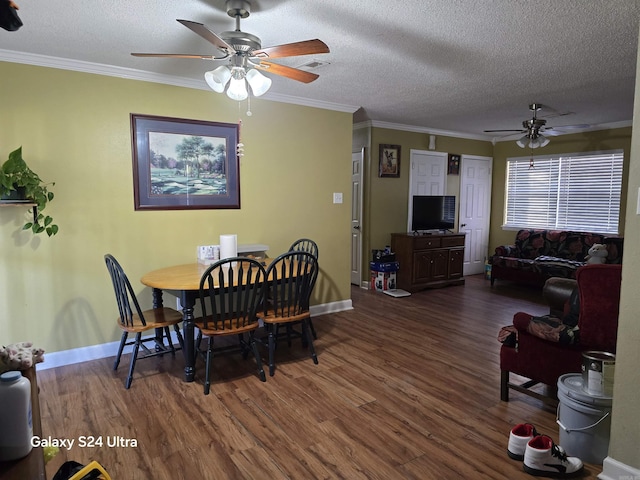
(454, 164)
(389, 161)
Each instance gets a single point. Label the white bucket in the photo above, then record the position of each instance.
(598, 369)
(584, 420)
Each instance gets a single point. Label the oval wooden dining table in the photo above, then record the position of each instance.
(182, 281)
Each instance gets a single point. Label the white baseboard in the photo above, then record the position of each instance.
(95, 352)
(342, 306)
(86, 354)
(615, 470)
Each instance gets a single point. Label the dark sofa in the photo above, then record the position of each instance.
(538, 255)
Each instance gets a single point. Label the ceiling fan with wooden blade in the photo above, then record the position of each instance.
(245, 53)
(289, 72)
(306, 47)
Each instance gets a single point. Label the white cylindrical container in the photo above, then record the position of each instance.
(16, 428)
(228, 246)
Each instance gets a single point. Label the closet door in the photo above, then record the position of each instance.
(427, 176)
(475, 210)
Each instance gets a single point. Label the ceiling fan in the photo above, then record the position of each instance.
(534, 127)
(532, 130)
(246, 56)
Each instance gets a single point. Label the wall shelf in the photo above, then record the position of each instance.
(21, 203)
(16, 203)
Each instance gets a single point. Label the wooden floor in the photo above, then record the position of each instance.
(404, 388)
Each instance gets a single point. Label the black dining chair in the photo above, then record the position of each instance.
(290, 281)
(309, 246)
(132, 319)
(305, 245)
(231, 292)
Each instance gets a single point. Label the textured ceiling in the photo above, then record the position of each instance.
(440, 65)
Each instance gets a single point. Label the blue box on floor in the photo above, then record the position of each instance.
(384, 266)
(383, 275)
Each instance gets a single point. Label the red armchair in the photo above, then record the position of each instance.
(543, 361)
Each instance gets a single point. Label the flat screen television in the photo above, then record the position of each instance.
(433, 212)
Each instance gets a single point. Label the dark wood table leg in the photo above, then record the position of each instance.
(157, 303)
(188, 300)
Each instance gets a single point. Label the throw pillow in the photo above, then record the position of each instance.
(552, 329)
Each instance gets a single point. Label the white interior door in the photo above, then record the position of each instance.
(357, 162)
(475, 208)
(427, 176)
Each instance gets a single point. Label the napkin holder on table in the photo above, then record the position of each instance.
(208, 254)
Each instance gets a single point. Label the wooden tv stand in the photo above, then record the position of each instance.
(429, 260)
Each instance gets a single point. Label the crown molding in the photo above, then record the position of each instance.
(133, 74)
(486, 138)
(141, 75)
(360, 125)
(416, 129)
(593, 128)
(306, 102)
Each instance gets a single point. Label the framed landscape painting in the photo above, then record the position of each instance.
(184, 164)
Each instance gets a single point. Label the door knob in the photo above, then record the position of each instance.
(463, 225)
(356, 227)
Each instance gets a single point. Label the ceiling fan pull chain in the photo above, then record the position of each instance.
(240, 146)
(531, 165)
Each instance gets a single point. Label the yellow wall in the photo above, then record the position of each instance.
(625, 427)
(387, 204)
(602, 140)
(75, 130)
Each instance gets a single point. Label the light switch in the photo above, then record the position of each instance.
(337, 198)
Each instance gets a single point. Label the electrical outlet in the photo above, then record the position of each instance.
(337, 198)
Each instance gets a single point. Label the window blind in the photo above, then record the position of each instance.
(579, 192)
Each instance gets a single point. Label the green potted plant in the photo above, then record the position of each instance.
(17, 178)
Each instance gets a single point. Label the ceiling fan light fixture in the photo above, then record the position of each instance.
(258, 82)
(244, 51)
(523, 142)
(237, 89)
(217, 79)
(539, 141)
(544, 141)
